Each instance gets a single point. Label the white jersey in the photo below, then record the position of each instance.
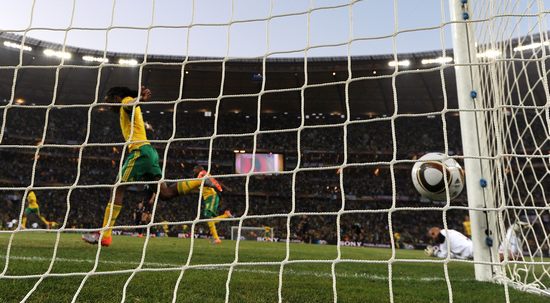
(461, 247)
(512, 242)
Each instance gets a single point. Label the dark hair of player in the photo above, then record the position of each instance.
(121, 92)
(197, 169)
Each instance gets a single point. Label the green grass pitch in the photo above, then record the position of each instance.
(31, 254)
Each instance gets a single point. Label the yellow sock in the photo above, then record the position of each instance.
(116, 211)
(221, 217)
(184, 187)
(213, 230)
(24, 222)
(44, 220)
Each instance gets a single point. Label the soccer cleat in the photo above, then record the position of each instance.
(106, 241)
(90, 238)
(228, 214)
(93, 238)
(217, 241)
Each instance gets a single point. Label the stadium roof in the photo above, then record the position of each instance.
(198, 80)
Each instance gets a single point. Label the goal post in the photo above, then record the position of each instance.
(500, 54)
(474, 141)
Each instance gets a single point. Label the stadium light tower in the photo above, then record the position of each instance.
(474, 143)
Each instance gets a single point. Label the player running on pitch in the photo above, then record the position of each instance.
(141, 163)
(210, 198)
(33, 209)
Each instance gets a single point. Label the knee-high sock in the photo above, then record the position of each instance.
(24, 221)
(44, 220)
(221, 217)
(184, 187)
(213, 230)
(111, 223)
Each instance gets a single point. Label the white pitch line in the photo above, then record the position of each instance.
(91, 261)
(365, 276)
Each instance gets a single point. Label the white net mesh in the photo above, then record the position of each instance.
(513, 40)
(347, 128)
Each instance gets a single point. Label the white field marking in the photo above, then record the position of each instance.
(366, 276)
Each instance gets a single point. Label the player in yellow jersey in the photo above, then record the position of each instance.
(467, 227)
(397, 239)
(268, 233)
(142, 160)
(210, 199)
(34, 209)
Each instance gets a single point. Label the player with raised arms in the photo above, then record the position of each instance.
(34, 209)
(141, 163)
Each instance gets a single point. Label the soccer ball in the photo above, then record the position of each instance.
(427, 176)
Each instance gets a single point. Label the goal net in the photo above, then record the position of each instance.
(310, 114)
(511, 42)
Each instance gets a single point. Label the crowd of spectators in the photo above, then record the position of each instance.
(84, 147)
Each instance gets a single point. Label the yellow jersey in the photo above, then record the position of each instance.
(165, 227)
(397, 236)
(138, 126)
(467, 228)
(33, 203)
(207, 192)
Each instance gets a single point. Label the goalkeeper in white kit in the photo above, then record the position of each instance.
(460, 247)
(512, 244)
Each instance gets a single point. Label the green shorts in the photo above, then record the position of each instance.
(211, 205)
(29, 211)
(142, 164)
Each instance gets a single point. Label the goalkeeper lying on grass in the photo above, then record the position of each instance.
(460, 247)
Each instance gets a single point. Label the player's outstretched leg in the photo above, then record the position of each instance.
(178, 189)
(181, 188)
(226, 214)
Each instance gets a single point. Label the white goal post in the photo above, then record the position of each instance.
(505, 134)
(474, 141)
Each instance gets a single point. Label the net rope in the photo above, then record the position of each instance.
(515, 32)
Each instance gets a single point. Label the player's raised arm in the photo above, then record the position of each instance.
(128, 97)
(146, 94)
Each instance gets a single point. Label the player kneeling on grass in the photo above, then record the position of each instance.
(141, 163)
(34, 210)
(460, 247)
(210, 199)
